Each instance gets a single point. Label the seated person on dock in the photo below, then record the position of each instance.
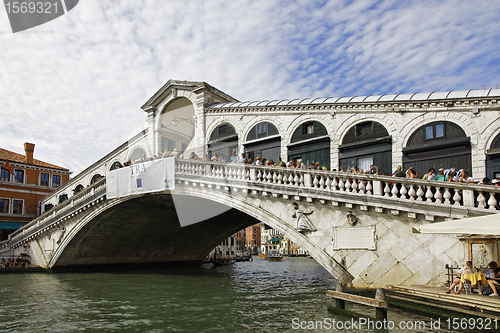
(466, 269)
(494, 278)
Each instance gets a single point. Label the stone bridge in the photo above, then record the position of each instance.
(360, 225)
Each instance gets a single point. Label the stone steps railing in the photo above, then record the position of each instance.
(58, 210)
(414, 190)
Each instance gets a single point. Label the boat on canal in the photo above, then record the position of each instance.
(222, 261)
(273, 255)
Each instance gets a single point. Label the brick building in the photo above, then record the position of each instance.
(24, 181)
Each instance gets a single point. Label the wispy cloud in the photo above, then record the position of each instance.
(74, 86)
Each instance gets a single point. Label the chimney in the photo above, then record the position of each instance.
(28, 149)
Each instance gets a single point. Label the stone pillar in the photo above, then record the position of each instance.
(151, 111)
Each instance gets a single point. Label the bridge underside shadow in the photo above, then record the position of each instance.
(146, 229)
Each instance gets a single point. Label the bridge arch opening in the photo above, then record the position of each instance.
(438, 144)
(176, 127)
(223, 140)
(310, 143)
(365, 144)
(146, 229)
(263, 140)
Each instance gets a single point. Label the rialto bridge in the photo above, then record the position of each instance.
(357, 226)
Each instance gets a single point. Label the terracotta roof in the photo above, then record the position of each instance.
(10, 156)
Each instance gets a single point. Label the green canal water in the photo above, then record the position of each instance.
(258, 296)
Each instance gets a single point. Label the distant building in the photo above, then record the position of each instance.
(253, 240)
(24, 181)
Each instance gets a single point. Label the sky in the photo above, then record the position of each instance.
(74, 86)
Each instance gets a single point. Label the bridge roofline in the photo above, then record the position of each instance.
(195, 86)
(414, 97)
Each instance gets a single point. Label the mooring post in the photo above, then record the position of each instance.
(380, 313)
(339, 303)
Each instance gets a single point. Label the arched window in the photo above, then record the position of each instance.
(138, 154)
(95, 178)
(310, 143)
(115, 165)
(78, 188)
(365, 144)
(263, 141)
(440, 144)
(223, 140)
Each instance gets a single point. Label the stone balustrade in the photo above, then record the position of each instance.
(57, 212)
(405, 189)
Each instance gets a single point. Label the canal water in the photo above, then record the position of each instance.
(257, 296)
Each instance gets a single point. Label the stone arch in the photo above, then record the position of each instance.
(458, 119)
(115, 165)
(314, 151)
(276, 121)
(269, 147)
(324, 120)
(241, 205)
(373, 150)
(347, 124)
(490, 154)
(137, 151)
(175, 125)
(219, 121)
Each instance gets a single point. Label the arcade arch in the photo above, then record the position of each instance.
(438, 144)
(310, 142)
(223, 140)
(364, 144)
(263, 140)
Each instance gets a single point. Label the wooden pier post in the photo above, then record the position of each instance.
(380, 312)
(339, 303)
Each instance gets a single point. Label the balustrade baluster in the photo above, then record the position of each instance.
(387, 189)
(428, 194)
(447, 195)
(412, 193)
(438, 196)
(275, 177)
(335, 183)
(328, 183)
(481, 200)
(492, 202)
(290, 179)
(403, 191)
(369, 187)
(362, 186)
(395, 190)
(315, 181)
(348, 185)
(322, 182)
(296, 179)
(457, 198)
(341, 184)
(420, 193)
(259, 176)
(269, 177)
(354, 186)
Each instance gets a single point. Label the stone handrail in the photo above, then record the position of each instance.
(61, 208)
(418, 190)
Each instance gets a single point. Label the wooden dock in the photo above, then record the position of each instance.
(432, 297)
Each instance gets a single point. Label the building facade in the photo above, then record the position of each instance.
(24, 181)
(253, 241)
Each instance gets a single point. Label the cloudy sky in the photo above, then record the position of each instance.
(74, 86)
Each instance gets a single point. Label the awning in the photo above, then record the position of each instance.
(481, 225)
(11, 225)
(274, 240)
